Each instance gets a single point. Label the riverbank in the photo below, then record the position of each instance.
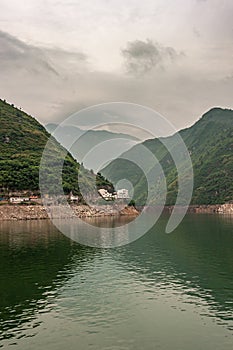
(221, 209)
(39, 212)
(208, 209)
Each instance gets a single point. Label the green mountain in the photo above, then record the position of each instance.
(210, 145)
(22, 142)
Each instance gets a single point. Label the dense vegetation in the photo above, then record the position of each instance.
(22, 142)
(210, 145)
(209, 142)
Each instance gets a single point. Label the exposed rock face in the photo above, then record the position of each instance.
(36, 212)
(22, 212)
(218, 208)
(129, 211)
(198, 209)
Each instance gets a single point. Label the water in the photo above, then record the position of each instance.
(161, 292)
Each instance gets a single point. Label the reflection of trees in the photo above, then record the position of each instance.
(197, 259)
(35, 261)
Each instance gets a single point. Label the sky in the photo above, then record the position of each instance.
(173, 56)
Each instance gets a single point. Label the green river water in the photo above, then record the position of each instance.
(163, 291)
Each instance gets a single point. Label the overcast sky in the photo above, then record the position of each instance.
(174, 56)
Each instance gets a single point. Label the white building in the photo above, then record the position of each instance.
(73, 198)
(105, 194)
(19, 199)
(123, 194)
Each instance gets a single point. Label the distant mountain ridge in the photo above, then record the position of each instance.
(209, 142)
(210, 145)
(50, 127)
(88, 140)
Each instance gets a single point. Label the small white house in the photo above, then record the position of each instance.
(105, 194)
(73, 198)
(123, 194)
(19, 199)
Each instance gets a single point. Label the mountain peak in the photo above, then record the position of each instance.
(218, 114)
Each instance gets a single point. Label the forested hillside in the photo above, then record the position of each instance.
(210, 145)
(22, 141)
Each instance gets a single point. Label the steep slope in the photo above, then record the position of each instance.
(88, 140)
(22, 141)
(210, 144)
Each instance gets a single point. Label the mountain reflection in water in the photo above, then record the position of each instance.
(165, 291)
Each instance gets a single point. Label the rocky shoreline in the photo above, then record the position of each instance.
(208, 209)
(221, 209)
(39, 212)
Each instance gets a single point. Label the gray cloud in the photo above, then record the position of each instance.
(196, 32)
(143, 56)
(51, 83)
(40, 79)
(15, 53)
